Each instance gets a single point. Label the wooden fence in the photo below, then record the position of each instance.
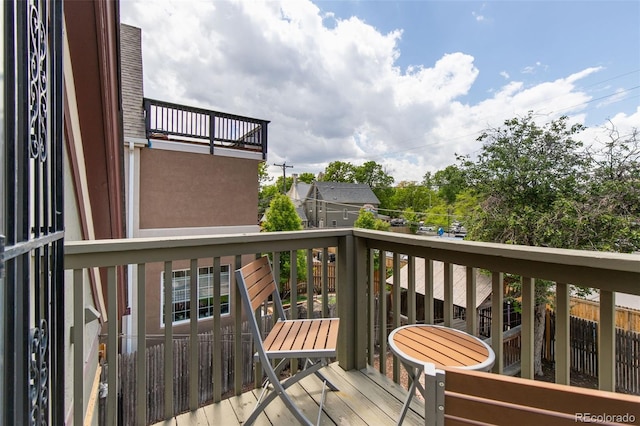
(156, 380)
(626, 318)
(317, 280)
(583, 335)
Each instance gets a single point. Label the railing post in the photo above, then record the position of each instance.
(361, 309)
(168, 340)
(212, 131)
(237, 343)
(78, 345)
(528, 312)
(112, 347)
(372, 306)
(263, 139)
(347, 302)
(497, 301)
(397, 294)
(563, 361)
(411, 293)
(310, 283)
(217, 328)
(193, 331)
(147, 117)
(448, 294)
(607, 342)
(293, 294)
(471, 313)
(428, 291)
(325, 279)
(141, 360)
(382, 311)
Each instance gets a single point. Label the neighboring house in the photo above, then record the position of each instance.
(483, 286)
(188, 171)
(298, 194)
(337, 204)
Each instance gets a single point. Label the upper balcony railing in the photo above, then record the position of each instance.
(164, 120)
(361, 305)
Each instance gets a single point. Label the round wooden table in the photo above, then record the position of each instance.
(418, 344)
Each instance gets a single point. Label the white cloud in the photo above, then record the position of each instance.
(504, 74)
(331, 88)
(478, 17)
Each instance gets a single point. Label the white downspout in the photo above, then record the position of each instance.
(129, 320)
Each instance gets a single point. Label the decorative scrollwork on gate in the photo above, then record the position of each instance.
(38, 374)
(38, 65)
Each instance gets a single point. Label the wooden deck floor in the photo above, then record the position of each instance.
(365, 398)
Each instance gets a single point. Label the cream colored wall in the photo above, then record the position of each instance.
(73, 232)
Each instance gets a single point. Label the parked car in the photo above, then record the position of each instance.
(425, 229)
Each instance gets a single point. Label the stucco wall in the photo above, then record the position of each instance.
(180, 189)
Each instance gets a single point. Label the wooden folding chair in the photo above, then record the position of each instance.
(312, 339)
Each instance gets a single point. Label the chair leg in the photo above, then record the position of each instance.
(279, 389)
(324, 362)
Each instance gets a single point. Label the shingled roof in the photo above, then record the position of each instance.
(350, 193)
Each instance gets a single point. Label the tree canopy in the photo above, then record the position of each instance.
(367, 220)
(281, 215)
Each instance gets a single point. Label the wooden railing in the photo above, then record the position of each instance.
(471, 397)
(356, 296)
(165, 120)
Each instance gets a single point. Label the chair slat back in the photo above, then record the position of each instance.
(256, 284)
(258, 281)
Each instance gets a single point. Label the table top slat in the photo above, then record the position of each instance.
(450, 342)
(443, 346)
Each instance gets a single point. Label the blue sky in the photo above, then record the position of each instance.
(533, 41)
(408, 84)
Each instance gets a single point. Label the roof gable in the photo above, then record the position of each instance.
(342, 192)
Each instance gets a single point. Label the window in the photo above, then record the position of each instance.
(182, 293)
(334, 223)
(345, 214)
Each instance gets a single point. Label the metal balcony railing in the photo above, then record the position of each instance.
(165, 120)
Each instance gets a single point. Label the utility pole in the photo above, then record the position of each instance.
(284, 175)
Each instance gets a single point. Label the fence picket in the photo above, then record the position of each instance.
(584, 352)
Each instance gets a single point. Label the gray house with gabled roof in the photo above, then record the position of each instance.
(337, 204)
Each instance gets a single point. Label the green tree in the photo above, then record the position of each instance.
(522, 172)
(282, 216)
(339, 171)
(265, 195)
(307, 177)
(412, 219)
(605, 217)
(411, 195)
(450, 182)
(367, 220)
(373, 174)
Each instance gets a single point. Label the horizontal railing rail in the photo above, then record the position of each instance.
(361, 304)
(164, 119)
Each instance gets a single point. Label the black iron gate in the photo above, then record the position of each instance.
(31, 219)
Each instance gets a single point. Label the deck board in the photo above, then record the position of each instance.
(364, 398)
